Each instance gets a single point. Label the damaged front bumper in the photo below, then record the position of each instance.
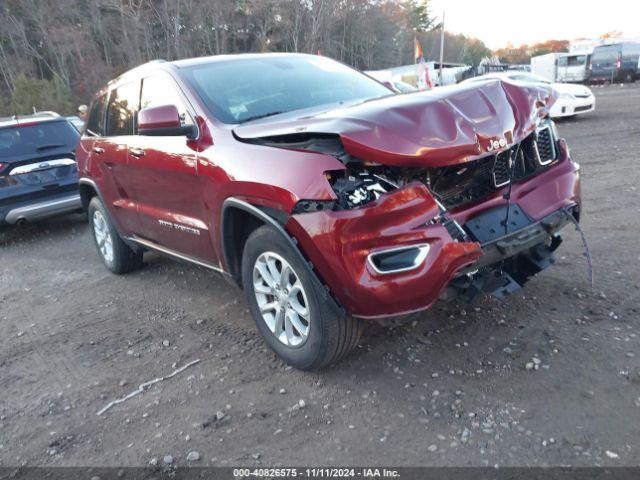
(510, 259)
(342, 245)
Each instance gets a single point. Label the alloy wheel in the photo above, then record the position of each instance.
(281, 299)
(103, 236)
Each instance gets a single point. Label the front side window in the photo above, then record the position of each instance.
(95, 122)
(159, 90)
(122, 110)
(241, 90)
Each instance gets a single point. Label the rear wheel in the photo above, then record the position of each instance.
(116, 255)
(628, 77)
(292, 314)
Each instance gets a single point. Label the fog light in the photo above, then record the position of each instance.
(399, 259)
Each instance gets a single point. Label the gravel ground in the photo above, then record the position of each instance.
(450, 388)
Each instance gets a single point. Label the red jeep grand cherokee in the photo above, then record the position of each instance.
(325, 196)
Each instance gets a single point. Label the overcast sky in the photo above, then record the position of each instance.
(498, 22)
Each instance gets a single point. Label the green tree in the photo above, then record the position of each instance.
(420, 18)
(40, 94)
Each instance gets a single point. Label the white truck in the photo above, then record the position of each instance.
(573, 67)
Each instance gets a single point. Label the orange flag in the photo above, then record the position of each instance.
(418, 51)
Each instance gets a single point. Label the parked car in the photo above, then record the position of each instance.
(38, 172)
(617, 62)
(572, 99)
(76, 121)
(326, 197)
(399, 86)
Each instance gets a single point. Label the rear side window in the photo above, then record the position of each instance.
(122, 110)
(95, 122)
(159, 90)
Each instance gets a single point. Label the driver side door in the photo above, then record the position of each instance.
(163, 172)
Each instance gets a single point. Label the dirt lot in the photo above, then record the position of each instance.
(451, 388)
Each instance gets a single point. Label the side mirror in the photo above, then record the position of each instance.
(163, 121)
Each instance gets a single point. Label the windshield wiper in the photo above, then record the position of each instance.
(49, 145)
(262, 115)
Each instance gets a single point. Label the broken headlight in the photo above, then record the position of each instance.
(355, 189)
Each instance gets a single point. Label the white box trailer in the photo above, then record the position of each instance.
(546, 65)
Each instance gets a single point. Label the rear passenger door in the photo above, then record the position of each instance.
(110, 154)
(163, 174)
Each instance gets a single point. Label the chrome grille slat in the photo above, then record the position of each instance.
(545, 146)
(470, 182)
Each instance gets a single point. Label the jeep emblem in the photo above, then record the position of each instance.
(496, 144)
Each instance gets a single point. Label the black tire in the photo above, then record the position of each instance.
(628, 77)
(124, 258)
(331, 336)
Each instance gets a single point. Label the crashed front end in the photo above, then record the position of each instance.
(459, 192)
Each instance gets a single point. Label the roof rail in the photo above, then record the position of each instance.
(17, 119)
(136, 69)
(47, 113)
(150, 62)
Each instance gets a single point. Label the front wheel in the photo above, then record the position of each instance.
(295, 318)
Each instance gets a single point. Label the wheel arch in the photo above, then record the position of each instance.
(233, 239)
(88, 189)
(238, 219)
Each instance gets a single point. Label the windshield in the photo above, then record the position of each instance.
(241, 90)
(22, 140)
(523, 77)
(572, 61)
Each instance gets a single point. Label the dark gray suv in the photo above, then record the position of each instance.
(38, 172)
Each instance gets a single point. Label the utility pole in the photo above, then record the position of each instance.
(441, 47)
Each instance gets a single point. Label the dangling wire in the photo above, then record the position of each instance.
(584, 243)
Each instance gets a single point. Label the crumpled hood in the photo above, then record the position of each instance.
(443, 127)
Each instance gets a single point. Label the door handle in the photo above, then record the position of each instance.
(98, 150)
(136, 152)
